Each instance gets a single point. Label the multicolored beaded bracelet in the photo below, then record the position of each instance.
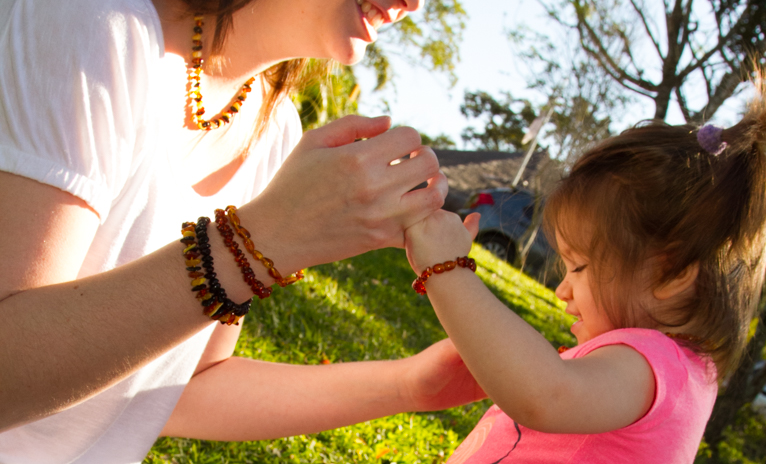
(231, 212)
(210, 294)
(419, 285)
(247, 272)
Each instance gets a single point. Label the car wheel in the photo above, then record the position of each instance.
(498, 246)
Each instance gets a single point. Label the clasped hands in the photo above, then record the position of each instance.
(337, 196)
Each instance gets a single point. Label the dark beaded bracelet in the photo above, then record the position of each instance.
(239, 256)
(419, 285)
(199, 263)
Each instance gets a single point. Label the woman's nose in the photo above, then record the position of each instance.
(407, 6)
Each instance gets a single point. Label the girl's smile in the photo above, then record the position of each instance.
(575, 290)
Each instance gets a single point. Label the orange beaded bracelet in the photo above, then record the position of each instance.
(231, 212)
(419, 285)
(247, 272)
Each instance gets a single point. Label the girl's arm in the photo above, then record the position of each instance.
(521, 372)
(64, 340)
(270, 400)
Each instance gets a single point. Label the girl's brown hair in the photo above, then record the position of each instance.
(653, 195)
(280, 79)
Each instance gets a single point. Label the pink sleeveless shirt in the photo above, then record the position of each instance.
(670, 432)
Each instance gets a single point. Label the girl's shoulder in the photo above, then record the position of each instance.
(669, 358)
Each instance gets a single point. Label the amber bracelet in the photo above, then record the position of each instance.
(419, 285)
(199, 264)
(231, 212)
(247, 272)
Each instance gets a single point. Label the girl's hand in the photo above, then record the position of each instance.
(335, 198)
(437, 379)
(439, 237)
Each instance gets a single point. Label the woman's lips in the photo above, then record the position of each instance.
(373, 18)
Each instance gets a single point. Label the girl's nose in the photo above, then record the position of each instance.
(564, 291)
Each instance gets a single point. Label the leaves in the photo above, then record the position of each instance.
(503, 121)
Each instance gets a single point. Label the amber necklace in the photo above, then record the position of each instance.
(193, 78)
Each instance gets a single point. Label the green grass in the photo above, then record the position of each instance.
(361, 309)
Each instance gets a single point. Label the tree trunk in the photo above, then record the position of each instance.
(740, 389)
(662, 101)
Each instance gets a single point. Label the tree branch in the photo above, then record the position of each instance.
(604, 57)
(647, 28)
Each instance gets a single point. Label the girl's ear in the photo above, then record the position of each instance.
(678, 284)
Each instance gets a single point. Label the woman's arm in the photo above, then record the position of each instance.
(65, 340)
(269, 400)
(521, 372)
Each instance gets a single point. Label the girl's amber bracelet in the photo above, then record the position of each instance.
(419, 285)
(231, 212)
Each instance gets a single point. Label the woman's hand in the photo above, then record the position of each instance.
(437, 379)
(439, 237)
(335, 198)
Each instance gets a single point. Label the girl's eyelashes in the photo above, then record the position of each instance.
(579, 268)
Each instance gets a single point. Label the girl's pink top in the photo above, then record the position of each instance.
(670, 432)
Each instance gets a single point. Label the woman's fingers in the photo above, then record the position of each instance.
(345, 131)
(417, 204)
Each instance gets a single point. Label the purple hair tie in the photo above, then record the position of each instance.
(709, 138)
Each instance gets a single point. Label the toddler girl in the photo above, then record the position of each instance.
(661, 233)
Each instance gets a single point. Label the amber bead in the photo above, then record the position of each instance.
(438, 268)
(449, 265)
(461, 262)
(196, 274)
(275, 274)
(562, 349)
(192, 262)
(249, 246)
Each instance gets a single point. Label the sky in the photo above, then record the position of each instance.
(426, 101)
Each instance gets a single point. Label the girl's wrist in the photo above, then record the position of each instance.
(462, 262)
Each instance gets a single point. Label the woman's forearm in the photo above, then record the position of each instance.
(63, 343)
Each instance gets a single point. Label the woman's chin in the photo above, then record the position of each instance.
(353, 53)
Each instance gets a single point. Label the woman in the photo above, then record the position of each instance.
(101, 160)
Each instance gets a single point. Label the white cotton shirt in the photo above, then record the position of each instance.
(84, 86)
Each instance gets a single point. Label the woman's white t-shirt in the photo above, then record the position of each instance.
(83, 86)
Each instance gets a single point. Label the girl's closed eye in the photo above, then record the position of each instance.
(579, 268)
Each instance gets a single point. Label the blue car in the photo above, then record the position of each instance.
(506, 213)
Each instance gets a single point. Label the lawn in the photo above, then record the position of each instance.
(363, 308)
(359, 309)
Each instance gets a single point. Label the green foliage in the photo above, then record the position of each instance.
(435, 33)
(328, 98)
(359, 309)
(504, 121)
(744, 441)
(440, 141)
